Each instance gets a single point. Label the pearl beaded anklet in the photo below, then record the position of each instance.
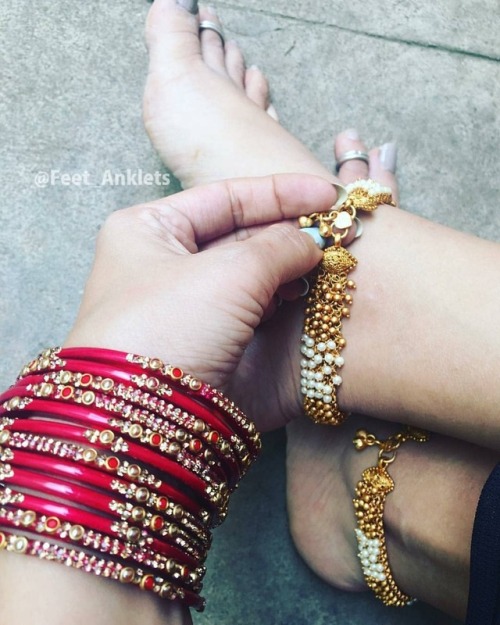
(371, 492)
(328, 302)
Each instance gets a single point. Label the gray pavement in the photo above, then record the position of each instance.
(423, 73)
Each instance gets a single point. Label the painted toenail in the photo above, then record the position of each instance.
(189, 5)
(352, 134)
(388, 157)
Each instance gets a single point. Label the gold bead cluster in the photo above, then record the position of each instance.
(371, 494)
(329, 302)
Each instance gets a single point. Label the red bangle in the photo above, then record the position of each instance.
(77, 516)
(213, 495)
(211, 398)
(92, 499)
(106, 439)
(142, 480)
(190, 443)
(81, 560)
(167, 506)
(56, 529)
(82, 405)
(86, 415)
(217, 435)
(121, 377)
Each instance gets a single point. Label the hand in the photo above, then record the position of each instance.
(189, 279)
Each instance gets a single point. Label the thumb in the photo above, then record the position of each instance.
(275, 256)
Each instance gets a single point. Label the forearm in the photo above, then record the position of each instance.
(33, 591)
(421, 340)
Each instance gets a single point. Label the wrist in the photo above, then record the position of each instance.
(38, 597)
(129, 338)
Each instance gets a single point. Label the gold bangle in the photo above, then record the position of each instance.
(371, 492)
(328, 302)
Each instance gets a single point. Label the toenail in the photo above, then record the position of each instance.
(388, 157)
(352, 134)
(189, 5)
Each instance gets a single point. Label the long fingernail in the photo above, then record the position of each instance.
(352, 134)
(189, 5)
(305, 288)
(212, 10)
(389, 157)
(315, 236)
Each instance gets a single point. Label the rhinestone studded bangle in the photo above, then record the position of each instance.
(371, 493)
(89, 562)
(119, 465)
(328, 302)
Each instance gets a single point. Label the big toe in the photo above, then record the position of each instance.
(172, 37)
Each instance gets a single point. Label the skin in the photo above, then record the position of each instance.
(148, 254)
(396, 379)
(322, 469)
(398, 252)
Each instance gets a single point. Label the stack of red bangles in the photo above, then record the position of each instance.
(119, 465)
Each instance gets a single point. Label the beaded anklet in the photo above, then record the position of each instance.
(328, 302)
(371, 493)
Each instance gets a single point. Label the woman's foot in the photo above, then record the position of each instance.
(321, 462)
(206, 113)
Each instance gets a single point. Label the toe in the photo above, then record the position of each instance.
(235, 64)
(354, 169)
(171, 37)
(383, 167)
(257, 87)
(272, 112)
(212, 44)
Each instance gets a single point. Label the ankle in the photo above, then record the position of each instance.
(320, 510)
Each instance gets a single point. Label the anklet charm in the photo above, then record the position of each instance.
(371, 492)
(329, 303)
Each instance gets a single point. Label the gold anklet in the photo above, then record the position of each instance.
(371, 492)
(328, 302)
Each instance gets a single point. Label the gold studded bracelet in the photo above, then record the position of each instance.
(328, 302)
(371, 493)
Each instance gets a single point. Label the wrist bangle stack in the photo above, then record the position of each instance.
(328, 302)
(119, 465)
(371, 493)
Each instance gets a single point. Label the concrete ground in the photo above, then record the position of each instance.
(423, 73)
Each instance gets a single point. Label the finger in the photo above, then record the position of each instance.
(383, 167)
(277, 256)
(224, 207)
(291, 291)
(351, 170)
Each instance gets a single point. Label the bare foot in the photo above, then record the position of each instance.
(320, 458)
(205, 111)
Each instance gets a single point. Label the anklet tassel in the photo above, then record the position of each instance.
(329, 302)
